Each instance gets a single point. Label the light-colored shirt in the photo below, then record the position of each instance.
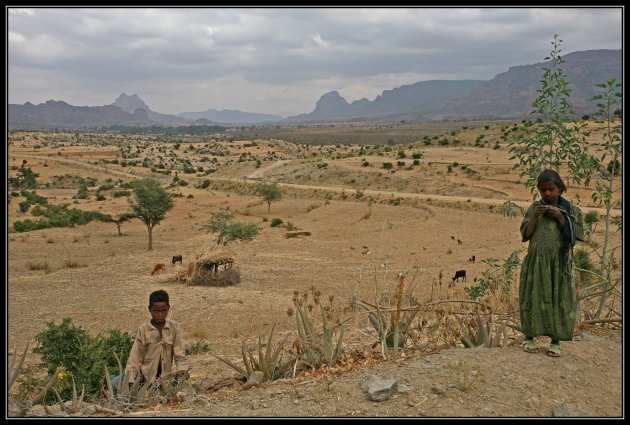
(151, 350)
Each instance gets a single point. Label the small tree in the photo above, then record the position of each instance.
(122, 218)
(25, 178)
(270, 192)
(222, 225)
(149, 203)
(605, 170)
(552, 143)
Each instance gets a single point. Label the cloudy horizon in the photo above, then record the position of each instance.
(277, 60)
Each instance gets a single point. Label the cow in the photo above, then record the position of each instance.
(458, 274)
(177, 259)
(160, 267)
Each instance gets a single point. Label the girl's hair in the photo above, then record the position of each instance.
(158, 296)
(553, 177)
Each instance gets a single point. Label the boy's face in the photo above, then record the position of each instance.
(159, 311)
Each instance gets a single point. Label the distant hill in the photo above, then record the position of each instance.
(508, 95)
(227, 116)
(59, 114)
(405, 99)
(132, 103)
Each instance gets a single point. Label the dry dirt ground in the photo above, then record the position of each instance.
(405, 222)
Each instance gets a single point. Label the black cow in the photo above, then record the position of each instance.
(458, 274)
(177, 259)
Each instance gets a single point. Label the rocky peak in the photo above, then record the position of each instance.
(130, 103)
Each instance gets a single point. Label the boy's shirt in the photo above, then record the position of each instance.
(148, 349)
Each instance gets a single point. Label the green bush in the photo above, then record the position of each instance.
(197, 347)
(119, 193)
(276, 222)
(82, 356)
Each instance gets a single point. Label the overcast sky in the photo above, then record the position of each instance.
(277, 60)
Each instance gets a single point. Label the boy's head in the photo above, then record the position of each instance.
(158, 296)
(158, 306)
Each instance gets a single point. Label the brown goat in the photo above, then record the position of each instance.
(159, 268)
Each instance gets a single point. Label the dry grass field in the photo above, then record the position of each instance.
(367, 224)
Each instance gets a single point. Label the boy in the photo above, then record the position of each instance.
(158, 342)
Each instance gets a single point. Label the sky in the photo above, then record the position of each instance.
(277, 60)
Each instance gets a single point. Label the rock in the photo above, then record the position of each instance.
(403, 389)
(533, 402)
(568, 410)
(438, 389)
(381, 390)
(255, 379)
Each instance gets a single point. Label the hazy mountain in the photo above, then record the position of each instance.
(508, 95)
(132, 103)
(227, 116)
(404, 99)
(59, 114)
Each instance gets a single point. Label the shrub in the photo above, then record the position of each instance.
(81, 355)
(197, 347)
(276, 222)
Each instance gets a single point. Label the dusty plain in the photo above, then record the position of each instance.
(367, 224)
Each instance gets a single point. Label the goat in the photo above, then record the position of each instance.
(458, 274)
(160, 267)
(177, 259)
(472, 259)
(459, 242)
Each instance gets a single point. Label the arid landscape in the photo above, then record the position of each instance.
(438, 202)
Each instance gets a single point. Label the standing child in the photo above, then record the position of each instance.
(547, 294)
(158, 343)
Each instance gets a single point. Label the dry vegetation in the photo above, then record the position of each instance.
(362, 223)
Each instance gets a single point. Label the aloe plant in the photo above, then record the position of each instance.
(318, 348)
(482, 334)
(269, 361)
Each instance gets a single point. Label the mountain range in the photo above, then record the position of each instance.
(508, 95)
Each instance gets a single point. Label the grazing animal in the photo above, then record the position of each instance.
(453, 237)
(159, 268)
(460, 242)
(458, 274)
(472, 259)
(177, 259)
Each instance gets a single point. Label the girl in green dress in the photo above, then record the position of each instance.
(547, 294)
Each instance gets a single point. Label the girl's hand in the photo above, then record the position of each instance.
(556, 214)
(541, 210)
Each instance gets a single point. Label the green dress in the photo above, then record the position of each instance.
(547, 294)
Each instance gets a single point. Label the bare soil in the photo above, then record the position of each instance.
(366, 226)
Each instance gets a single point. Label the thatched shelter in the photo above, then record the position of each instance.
(216, 268)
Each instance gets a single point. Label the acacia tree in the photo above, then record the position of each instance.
(222, 224)
(122, 218)
(25, 178)
(150, 204)
(270, 192)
